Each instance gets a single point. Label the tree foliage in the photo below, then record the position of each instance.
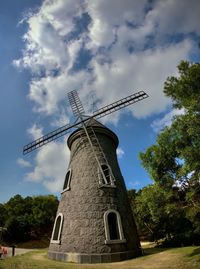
(185, 88)
(28, 218)
(172, 203)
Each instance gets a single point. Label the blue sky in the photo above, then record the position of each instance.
(104, 49)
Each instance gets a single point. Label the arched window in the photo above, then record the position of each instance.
(57, 229)
(107, 178)
(113, 227)
(106, 172)
(66, 185)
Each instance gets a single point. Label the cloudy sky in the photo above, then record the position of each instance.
(105, 49)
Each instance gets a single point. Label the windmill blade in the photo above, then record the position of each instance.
(78, 109)
(75, 102)
(106, 110)
(49, 137)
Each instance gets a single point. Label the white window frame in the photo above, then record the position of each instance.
(69, 181)
(60, 229)
(101, 181)
(107, 231)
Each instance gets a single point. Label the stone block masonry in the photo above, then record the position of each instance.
(82, 237)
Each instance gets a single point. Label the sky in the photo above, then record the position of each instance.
(104, 49)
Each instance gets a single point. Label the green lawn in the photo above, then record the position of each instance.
(154, 258)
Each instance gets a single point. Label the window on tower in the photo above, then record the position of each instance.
(105, 176)
(56, 234)
(66, 185)
(113, 227)
(106, 172)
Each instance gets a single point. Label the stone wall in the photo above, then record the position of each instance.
(84, 205)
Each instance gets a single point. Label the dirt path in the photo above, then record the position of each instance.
(18, 251)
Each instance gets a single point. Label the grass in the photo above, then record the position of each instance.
(154, 258)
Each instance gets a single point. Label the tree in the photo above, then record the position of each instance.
(185, 89)
(2, 214)
(28, 218)
(185, 93)
(160, 213)
(16, 221)
(173, 162)
(43, 214)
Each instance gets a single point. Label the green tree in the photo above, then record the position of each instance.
(43, 214)
(2, 215)
(17, 221)
(160, 213)
(173, 162)
(28, 218)
(185, 88)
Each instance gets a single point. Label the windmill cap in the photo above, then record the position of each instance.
(98, 128)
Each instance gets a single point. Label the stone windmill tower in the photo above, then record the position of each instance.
(94, 223)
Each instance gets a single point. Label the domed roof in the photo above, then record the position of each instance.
(98, 127)
(94, 123)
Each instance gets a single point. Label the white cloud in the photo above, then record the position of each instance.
(140, 71)
(114, 73)
(48, 92)
(21, 162)
(50, 166)
(46, 49)
(35, 131)
(107, 16)
(61, 119)
(133, 46)
(176, 16)
(127, 74)
(120, 152)
(160, 123)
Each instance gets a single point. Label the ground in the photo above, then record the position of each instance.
(154, 258)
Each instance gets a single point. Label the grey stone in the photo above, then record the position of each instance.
(84, 205)
(96, 258)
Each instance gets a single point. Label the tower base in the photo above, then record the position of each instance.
(93, 257)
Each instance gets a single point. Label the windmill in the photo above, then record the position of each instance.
(94, 221)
